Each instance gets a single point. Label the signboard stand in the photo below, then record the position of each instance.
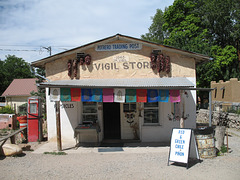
(183, 146)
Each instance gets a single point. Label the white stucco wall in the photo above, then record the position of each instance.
(163, 132)
(69, 118)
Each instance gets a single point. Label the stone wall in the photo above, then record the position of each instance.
(219, 118)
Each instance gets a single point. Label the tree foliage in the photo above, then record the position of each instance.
(156, 33)
(210, 27)
(13, 68)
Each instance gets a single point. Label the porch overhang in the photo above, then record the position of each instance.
(180, 83)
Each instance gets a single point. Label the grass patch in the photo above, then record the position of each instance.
(222, 151)
(55, 153)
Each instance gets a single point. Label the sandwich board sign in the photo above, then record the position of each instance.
(183, 146)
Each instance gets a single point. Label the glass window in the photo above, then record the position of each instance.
(33, 108)
(151, 113)
(89, 111)
(129, 107)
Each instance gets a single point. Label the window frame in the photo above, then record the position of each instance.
(153, 108)
(91, 113)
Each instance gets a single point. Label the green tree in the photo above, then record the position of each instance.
(210, 27)
(13, 68)
(41, 91)
(221, 18)
(223, 67)
(183, 23)
(156, 32)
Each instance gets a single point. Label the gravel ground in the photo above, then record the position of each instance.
(119, 165)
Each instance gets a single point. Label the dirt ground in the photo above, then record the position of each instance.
(120, 165)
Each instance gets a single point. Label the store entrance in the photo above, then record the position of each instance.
(111, 119)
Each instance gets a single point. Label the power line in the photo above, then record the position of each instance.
(34, 45)
(49, 49)
(17, 50)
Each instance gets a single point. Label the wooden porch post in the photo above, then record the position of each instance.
(58, 125)
(183, 111)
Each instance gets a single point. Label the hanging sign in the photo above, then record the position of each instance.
(75, 94)
(131, 95)
(118, 47)
(175, 96)
(108, 95)
(65, 94)
(152, 95)
(97, 95)
(55, 94)
(86, 95)
(141, 95)
(163, 95)
(119, 95)
(183, 146)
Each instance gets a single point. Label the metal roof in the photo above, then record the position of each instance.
(160, 83)
(21, 87)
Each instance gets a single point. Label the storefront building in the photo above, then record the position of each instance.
(125, 88)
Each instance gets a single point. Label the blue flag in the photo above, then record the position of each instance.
(163, 95)
(97, 95)
(86, 95)
(152, 95)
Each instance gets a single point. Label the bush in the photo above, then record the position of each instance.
(7, 110)
(22, 109)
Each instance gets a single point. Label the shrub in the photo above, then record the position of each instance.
(7, 110)
(22, 109)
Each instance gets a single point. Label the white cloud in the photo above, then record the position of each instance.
(70, 23)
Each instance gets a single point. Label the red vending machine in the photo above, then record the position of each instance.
(34, 119)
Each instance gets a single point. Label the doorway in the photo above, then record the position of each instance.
(111, 119)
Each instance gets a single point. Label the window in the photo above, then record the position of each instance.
(151, 113)
(215, 93)
(223, 93)
(129, 107)
(33, 108)
(89, 111)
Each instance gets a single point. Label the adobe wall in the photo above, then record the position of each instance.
(231, 92)
(120, 64)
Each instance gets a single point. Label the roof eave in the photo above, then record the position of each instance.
(196, 56)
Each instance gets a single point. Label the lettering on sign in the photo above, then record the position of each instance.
(124, 65)
(118, 47)
(120, 58)
(67, 106)
(180, 145)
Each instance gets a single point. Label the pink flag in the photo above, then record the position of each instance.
(175, 96)
(107, 95)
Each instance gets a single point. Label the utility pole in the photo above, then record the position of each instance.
(49, 49)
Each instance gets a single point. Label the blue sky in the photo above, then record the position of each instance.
(26, 26)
